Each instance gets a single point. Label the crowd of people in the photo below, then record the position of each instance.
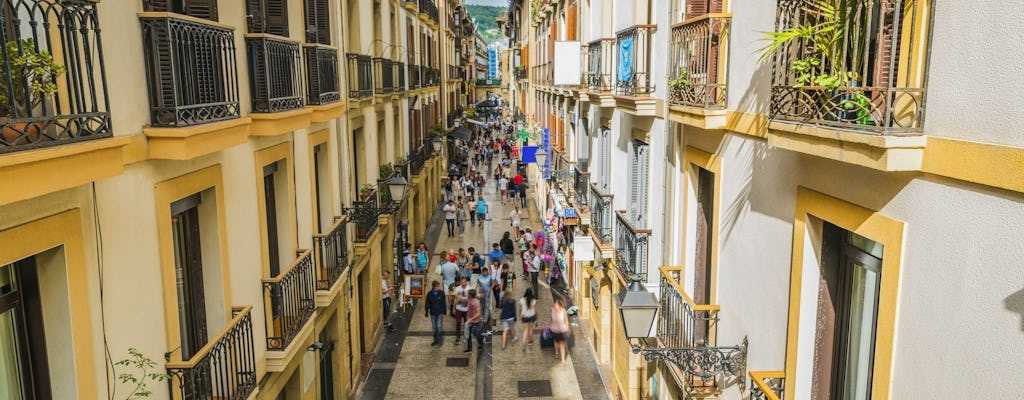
(481, 291)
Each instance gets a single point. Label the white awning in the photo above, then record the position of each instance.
(473, 121)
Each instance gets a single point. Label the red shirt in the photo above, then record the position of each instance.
(518, 179)
(474, 311)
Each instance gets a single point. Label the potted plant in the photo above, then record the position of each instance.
(386, 171)
(34, 75)
(677, 84)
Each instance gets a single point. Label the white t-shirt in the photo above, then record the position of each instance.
(529, 237)
(528, 310)
(502, 183)
(514, 216)
(535, 265)
(449, 211)
(462, 295)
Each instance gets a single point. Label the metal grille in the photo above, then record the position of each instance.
(332, 254)
(360, 76)
(581, 186)
(633, 61)
(680, 324)
(877, 87)
(225, 369)
(292, 301)
(697, 77)
(365, 213)
(191, 72)
(274, 78)
(73, 104)
(599, 67)
(384, 75)
(321, 75)
(414, 77)
(428, 7)
(631, 248)
(400, 76)
(601, 214)
(767, 388)
(419, 158)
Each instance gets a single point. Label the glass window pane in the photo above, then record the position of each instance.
(6, 279)
(10, 375)
(867, 245)
(860, 343)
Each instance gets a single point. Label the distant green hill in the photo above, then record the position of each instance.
(484, 17)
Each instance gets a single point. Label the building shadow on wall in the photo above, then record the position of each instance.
(1015, 303)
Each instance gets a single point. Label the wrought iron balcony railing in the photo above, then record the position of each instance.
(631, 247)
(601, 219)
(400, 76)
(767, 385)
(414, 77)
(365, 213)
(224, 368)
(683, 324)
(67, 102)
(418, 158)
(321, 75)
(581, 185)
(360, 76)
(331, 250)
(275, 81)
(599, 64)
(430, 8)
(191, 71)
(876, 91)
(633, 55)
(698, 72)
(292, 300)
(454, 72)
(384, 75)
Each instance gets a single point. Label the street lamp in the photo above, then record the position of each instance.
(437, 144)
(638, 309)
(396, 186)
(541, 156)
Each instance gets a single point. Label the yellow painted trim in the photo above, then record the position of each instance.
(167, 192)
(758, 378)
(750, 124)
(190, 142)
(264, 157)
(63, 229)
(32, 173)
(982, 163)
(327, 112)
(713, 163)
(279, 123)
(316, 139)
(874, 226)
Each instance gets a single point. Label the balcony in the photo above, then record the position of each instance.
(428, 11)
(454, 72)
(54, 91)
(190, 69)
(697, 78)
(487, 82)
(291, 299)
(410, 5)
(384, 76)
(631, 247)
(365, 213)
(331, 250)
(414, 77)
(360, 76)
(599, 65)
(767, 385)
(601, 214)
(225, 368)
(419, 158)
(275, 80)
(400, 76)
(581, 184)
(633, 53)
(321, 75)
(684, 324)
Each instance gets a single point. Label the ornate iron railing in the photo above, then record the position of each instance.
(225, 368)
(631, 247)
(767, 385)
(419, 157)
(66, 104)
(275, 81)
(365, 213)
(383, 76)
(430, 8)
(400, 76)
(414, 77)
(292, 301)
(454, 72)
(601, 214)
(874, 94)
(581, 185)
(633, 61)
(321, 75)
(191, 71)
(360, 76)
(431, 76)
(331, 254)
(697, 75)
(599, 64)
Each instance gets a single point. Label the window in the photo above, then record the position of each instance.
(847, 315)
(638, 176)
(270, 198)
(188, 273)
(267, 16)
(205, 9)
(318, 22)
(703, 230)
(24, 373)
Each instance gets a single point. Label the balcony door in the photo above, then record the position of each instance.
(847, 314)
(188, 271)
(703, 229)
(24, 372)
(270, 199)
(326, 367)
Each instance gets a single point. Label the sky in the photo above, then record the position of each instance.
(497, 3)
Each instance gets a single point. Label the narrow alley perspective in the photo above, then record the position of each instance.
(410, 363)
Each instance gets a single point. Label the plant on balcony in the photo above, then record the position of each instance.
(386, 171)
(822, 64)
(141, 375)
(365, 190)
(436, 130)
(33, 77)
(680, 81)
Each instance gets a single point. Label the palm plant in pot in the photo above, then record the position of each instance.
(33, 75)
(821, 65)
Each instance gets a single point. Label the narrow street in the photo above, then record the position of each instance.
(406, 366)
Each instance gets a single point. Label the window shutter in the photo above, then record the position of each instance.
(277, 17)
(639, 173)
(255, 16)
(887, 53)
(205, 9)
(156, 5)
(716, 6)
(696, 8)
(570, 24)
(606, 167)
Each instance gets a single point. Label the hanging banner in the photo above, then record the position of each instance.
(529, 154)
(583, 248)
(546, 142)
(626, 59)
(492, 63)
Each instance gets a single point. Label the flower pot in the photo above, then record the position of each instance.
(17, 133)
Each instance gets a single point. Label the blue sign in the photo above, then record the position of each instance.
(529, 154)
(546, 142)
(492, 63)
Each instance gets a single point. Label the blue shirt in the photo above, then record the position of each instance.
(496, 255)
(481, 207)
(448, 272)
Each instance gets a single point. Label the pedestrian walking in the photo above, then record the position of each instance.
(528, 310)
(481, 210)
(473, 322)
(461, 307)
(508, 247)
(449, 217)
(422, 258)
(484, 287)
(449, 272)
(534, 269)
(508, 320)
(435, 308)
(559, 327)
(460, 216)
(385, 294)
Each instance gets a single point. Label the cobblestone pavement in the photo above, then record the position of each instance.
(407, 367)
